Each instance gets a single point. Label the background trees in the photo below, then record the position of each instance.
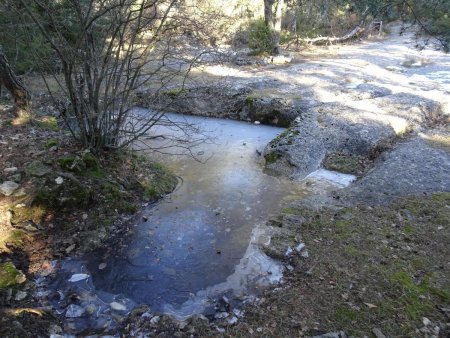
(106, 51)
(101, 52)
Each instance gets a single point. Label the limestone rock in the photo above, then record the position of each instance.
(20, 295)
(37, 169)
(10, 170)
(7, 188)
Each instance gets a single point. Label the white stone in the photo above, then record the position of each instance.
(117, 306)
(20, 295)
(74, 311)
(395, 69)
(339, 179)
(8, 187)
(78, 276)
(155, 320)
(300, 247)
(10, 170)
(288, 251)
(59, 180)
(426, 321)
(221, 315)
(232, 320)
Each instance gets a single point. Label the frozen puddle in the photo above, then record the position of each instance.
(99, 310)
(255, 270)
(195, 246)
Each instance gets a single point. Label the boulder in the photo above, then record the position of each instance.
(37, 169)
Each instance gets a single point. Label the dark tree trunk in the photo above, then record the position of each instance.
(11, 82)
(268, 12)
(272, 19)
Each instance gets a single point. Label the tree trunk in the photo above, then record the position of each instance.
(272, 18)
(268, 12)
(9, 80)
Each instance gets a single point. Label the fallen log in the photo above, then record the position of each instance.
(322, 40)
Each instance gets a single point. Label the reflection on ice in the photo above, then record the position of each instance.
(199, 244)
(254, 270)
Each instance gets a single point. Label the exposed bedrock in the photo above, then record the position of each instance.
(349, 137)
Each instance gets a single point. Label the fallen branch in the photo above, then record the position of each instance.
(329, 40)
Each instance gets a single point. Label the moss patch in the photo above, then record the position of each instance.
(47, 123)
(72, 163)
(70, 194)
(368, 267)
(51, 143)
(38, 169)
(173, 93)
(346, 163)
(10, 276)
(271, 157)
(161, 182)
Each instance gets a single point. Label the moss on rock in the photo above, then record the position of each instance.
(67, 195)
(271, 157)
(10, 276)
(72, 163)
(346, 163)
(37, 169)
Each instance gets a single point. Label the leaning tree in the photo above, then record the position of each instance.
(12, 83)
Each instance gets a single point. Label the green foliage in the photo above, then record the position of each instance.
(260, 38)
(174, 93)
(51, 143)
(71, 163)
(411, 292)
(25, 48)
(130, 208)
(92, 166)
(344, 316)
(435, 16)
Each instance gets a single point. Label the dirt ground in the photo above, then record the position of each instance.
(66, 201)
